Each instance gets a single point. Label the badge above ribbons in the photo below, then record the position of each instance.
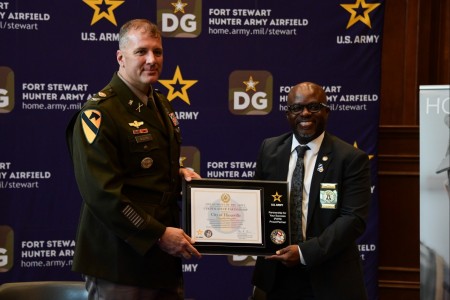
(91, 120)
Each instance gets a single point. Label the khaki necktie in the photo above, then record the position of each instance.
(154, 107)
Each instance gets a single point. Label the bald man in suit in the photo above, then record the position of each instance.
(325, 262)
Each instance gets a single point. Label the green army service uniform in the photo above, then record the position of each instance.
(126, 163)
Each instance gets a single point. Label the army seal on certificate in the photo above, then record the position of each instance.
(278, 236)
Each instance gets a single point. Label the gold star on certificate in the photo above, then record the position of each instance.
(277, 197)
(98, 15)
(179, 6)
(355, 17)
(251, 85)
(355, 144)
(199, 232)
(178, 80)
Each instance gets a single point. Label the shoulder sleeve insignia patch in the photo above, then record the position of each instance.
(91, 120)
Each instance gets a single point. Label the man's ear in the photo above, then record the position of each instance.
(119, 57)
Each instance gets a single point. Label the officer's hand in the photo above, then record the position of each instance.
(177, 243)
(189, 174)
(288, 256)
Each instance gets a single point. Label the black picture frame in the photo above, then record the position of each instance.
(274, 215)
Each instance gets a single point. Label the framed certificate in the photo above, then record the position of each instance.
(243, 217)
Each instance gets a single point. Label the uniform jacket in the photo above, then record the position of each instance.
(330, 249)
(127, 169)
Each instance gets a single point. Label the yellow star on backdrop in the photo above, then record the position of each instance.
(98, 15)
(351, 8)
(178, 79)
(179, 6)
(251, 85)
(355, 144)
(277, 197)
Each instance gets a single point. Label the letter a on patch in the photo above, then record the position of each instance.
(91, 120)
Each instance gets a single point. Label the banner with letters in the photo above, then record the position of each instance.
(434, 191)
(228, 67)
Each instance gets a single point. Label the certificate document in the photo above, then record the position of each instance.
(226, 215)
(244, 217)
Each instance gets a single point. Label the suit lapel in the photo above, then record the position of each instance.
(323, 163)
(282, 159)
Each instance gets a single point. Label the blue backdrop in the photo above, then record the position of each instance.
(229, 65)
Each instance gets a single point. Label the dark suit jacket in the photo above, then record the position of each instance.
(128, 176)
(330, 251)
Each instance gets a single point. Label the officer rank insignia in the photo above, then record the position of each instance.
(90, 121)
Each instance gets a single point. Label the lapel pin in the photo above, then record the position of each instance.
(320, 168)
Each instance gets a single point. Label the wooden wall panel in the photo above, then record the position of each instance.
(398, 66)
(416, 51)
(399, 273)
(434, 42)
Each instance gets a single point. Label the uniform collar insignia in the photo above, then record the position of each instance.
(140, 105)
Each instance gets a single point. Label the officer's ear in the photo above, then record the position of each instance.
(119, 56)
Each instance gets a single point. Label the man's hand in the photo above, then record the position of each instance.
(288, 256)
(189, 174)
(177, 243)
